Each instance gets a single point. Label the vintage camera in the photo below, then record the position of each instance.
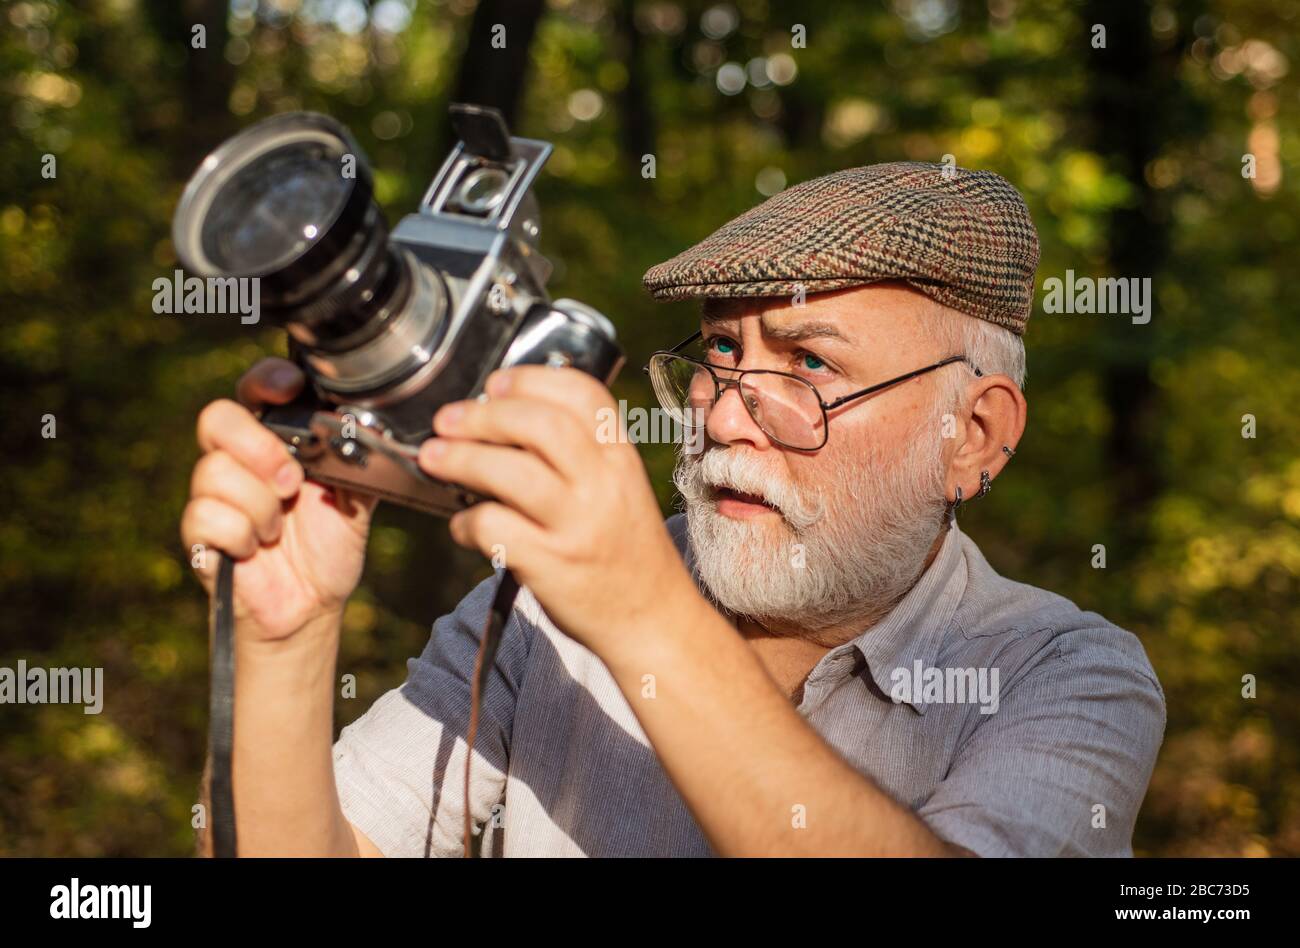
(386, 328)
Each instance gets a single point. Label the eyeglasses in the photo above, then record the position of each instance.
(788, 408)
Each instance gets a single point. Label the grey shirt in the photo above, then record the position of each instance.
(1010, 721)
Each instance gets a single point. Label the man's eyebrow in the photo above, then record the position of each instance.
(801, 331)
(797, 332)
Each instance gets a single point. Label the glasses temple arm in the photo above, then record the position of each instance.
(902, 378)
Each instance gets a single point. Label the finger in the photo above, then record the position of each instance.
(493, 528)
(220, 476)
(553, 435)
(202, 556)
(512, 476)
(270, 382)
(570, 390)
(219, 528)
(227, 426)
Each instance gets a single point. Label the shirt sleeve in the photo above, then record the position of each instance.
(400, 767)
(1061, 768)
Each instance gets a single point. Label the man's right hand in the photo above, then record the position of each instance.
(299, 547)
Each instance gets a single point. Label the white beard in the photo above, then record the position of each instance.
(862, 537)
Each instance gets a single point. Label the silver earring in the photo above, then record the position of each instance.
(1008, 452)
(957, 501)
(986, 483)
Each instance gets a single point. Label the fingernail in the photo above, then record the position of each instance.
(451, 414)
(282, 376)
(435, 448)
(498, 383)
(288, 477)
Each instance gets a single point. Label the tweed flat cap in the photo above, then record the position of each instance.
(964, 238)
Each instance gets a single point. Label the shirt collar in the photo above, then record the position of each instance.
(915, 629)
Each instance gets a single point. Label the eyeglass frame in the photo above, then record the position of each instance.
(720, 385)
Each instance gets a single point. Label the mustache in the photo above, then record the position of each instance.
(699, 476)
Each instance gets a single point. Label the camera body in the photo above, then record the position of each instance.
(388, 328)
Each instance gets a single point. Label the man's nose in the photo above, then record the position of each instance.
(730, 422)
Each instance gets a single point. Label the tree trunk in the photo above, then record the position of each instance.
(495, 76)
(206, 77)
(1133, 91)
(637, 116)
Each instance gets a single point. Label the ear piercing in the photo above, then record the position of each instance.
(1008, 452)
(986, 485)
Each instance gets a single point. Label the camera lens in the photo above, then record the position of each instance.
(290, 202)
(273, 210)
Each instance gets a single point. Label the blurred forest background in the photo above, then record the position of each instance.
(1130, 157)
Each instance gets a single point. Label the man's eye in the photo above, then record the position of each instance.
(722, 346)
(810, 362)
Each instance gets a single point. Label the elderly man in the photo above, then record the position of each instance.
(812, 660)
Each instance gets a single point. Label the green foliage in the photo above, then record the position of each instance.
(1201, 525)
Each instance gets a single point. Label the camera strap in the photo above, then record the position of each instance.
(494, 624)
(221, 711)
(221, 701)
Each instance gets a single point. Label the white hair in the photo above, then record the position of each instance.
(845, 549)
(992, 348)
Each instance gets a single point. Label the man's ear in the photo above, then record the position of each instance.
(995, 419)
